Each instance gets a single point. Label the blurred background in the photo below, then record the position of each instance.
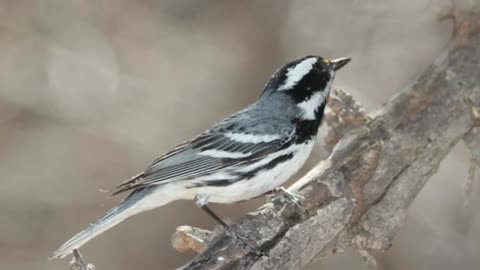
(92, 91)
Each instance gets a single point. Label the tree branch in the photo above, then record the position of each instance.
(359, 196)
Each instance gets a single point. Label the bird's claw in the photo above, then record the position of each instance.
(78, 263)
(242, 243)
(295, 198)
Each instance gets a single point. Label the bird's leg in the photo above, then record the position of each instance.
(214, 216)
(202, 201)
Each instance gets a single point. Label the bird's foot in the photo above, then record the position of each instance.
(78, 263)
(290, 196)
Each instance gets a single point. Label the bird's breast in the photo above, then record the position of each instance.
(266, 179)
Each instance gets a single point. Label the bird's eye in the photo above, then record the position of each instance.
(319, 66)
(326, 61)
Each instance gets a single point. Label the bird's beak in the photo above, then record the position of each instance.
(339, 63)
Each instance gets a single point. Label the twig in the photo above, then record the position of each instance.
(472, 141)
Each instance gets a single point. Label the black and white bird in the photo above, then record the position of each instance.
(248, 154)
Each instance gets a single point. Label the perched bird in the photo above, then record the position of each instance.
(248, 154)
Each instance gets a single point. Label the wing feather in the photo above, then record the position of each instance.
(186, 161)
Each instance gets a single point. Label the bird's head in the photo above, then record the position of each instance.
(306, 82)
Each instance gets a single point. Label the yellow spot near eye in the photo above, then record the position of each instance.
(326, 60)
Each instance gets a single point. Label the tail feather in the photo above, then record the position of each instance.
(128, 207)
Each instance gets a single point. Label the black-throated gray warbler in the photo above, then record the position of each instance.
(246, 155)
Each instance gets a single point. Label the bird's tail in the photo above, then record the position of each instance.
(130, 206)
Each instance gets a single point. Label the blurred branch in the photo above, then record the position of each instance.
(472, 141)
(188, 238)
(344, 114)
(359, 196)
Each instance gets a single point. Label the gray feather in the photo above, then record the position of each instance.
(186, 162)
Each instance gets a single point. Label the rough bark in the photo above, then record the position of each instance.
(359, 196)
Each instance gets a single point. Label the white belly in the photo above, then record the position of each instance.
(262, 182)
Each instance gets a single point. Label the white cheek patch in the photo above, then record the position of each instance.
(309, 106)
(297, 72)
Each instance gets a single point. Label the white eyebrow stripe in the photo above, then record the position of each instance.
(223, 154)
(251, 138)
(297, 72)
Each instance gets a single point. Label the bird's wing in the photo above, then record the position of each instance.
(204, 155)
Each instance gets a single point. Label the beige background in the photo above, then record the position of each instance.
(92, 91)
